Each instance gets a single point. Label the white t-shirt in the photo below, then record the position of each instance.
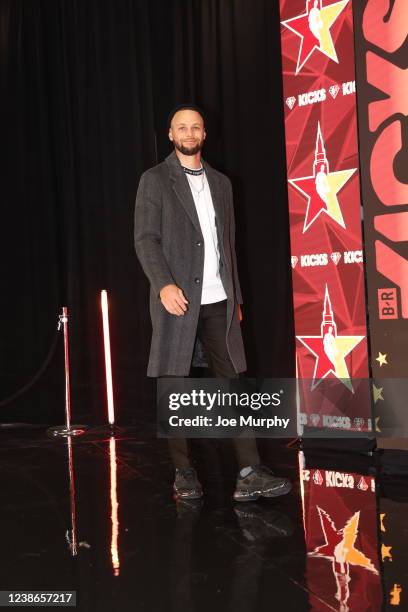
(212, 288)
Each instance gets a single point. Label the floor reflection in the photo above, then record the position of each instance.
(341, 538)
(338, 541)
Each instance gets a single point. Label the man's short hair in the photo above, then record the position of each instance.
(186, 106)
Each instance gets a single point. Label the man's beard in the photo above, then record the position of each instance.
(189, 151)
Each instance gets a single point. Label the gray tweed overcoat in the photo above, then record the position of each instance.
(170, 247)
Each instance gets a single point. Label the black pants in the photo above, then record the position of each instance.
(211, 330)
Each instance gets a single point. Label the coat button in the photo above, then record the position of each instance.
(199, 243)
(197, 280)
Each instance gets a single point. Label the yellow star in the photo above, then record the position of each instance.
(377, 392)
(377, 420)
(336, 181)
(344, 346)
(347, 553)
(382, 359)
(382, 516)
(386, 552)
(329, 15)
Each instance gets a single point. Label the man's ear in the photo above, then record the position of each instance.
(170, 136)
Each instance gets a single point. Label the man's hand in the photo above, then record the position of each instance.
(172, 298)
(239, 312)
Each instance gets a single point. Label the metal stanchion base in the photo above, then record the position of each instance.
(62, 431)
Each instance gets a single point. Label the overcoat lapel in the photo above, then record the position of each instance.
(183, 191)
(217, 197)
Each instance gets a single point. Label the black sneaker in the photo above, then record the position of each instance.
(260, 482)
(186, 484)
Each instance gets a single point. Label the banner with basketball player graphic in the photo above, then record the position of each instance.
(325, 213)
(341, 527)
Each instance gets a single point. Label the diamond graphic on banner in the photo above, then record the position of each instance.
(291, 102)
(334, 90)
(314, 419)
(321, 188)
(358, 422)
(335, 257)
(330, 349)
(293, 261)
(317, 478)
(362, 485)
(313, 28)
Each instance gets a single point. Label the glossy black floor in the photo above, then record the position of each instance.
(97, 516)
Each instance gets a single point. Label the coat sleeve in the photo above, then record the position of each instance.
(237, 285)
(147, 233)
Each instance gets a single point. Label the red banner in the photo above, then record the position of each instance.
(325, 211)
(340, 522)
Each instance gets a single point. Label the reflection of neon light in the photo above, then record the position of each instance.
(395, 595)
(339, 547)
(73, 541)
(301, 458)
(114, 507)
(108, 362)
(386, 552)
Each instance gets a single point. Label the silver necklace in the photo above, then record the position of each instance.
(198, 191)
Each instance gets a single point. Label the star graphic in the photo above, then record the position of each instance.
(321, 189)
(386, 552)
(382, 517)
(382, 359)
(377, 392)
(337, 365)
(320, 38)
(377, 426)
(330, 349)
(339, 544)
(315, 205)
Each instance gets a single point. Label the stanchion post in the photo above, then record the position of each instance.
(67, 429)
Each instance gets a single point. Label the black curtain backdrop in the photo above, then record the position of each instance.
(86, 89)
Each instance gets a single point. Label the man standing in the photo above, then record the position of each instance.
(185, 241)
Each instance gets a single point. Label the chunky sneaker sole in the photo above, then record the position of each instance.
(193, 494)
(243, 495)
(186, 484)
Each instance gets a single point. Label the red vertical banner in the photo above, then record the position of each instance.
(341, 526)
(325, 213)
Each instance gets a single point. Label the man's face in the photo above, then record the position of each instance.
(187, 132)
